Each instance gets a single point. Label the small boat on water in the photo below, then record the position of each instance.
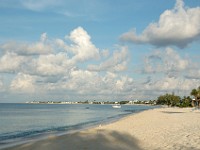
(116, 106)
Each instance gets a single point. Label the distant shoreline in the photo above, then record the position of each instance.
(160, 128)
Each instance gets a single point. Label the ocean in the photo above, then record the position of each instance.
(23, 122)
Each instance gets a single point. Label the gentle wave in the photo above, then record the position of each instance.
(33, 133)
(35, 121)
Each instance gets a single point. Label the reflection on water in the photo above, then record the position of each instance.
(19, 121)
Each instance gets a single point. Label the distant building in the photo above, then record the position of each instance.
(196, 102)
(133, 102)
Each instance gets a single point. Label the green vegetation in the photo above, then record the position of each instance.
(123, 102)
(169, 99)
(174, 100)
(196, 93)
(166, 99)
(186, 102)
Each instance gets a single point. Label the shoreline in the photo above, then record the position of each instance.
(150, 129)
(73, 129)
(46, 135)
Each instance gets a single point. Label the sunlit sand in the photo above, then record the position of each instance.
(162, 128)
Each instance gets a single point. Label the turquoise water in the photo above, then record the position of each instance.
(19, 122)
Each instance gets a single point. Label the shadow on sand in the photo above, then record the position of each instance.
(86, 140)
(172, 112)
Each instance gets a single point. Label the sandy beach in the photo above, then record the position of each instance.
(157, 129)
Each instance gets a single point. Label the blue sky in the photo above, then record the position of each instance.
(98, 49)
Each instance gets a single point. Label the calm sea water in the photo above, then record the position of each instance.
(21, 122)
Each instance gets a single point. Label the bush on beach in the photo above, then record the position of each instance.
(169, 99)
(174, 100)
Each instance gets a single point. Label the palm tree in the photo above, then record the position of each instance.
(196, 94)
(198, 90)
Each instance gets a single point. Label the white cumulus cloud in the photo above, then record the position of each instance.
(179, 26)
(168, 84)
(167, 61)
(23, 83)
(51, 65)
(82, 47)
(117, 62)
(168, 71)
(41, 47)
(11, 63)
(193, 73)
(125, 84)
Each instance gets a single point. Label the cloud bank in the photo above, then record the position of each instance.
(64, 67)
(117, 62)
(179, 27)
(168, 71)
(73, 68)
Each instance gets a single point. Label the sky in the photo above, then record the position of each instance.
(102, 50)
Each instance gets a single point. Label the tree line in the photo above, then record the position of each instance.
(174, 100)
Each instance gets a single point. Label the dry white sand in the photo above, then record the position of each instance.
(158, 129)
